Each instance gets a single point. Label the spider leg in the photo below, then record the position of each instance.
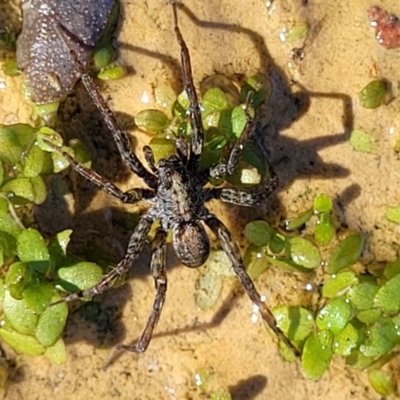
(149, 157)
(158, 261)
(222, 169)
(233, 253)
(242, 197)
(135, 246)
(196, 125)
(121, 138)
(129, 197)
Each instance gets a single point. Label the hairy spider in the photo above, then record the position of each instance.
(177, 198)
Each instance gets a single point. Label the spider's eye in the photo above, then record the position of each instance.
(191, 243)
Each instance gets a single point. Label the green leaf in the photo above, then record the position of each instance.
(362, 295)
(346, 253)
(346, 340)
(34, 162)
(103, 56)
(22, 343)
(297, 32)
(304, 253)
(259, 86)
(255, 261)
(316, 356)
(162, 146)
(382, 338)
(337, 283)
(388, 295)
(392, 269)
(361, 141)
(220, 394)
(51, 323)
(112, 72)
(298, 222)
(219, 262)
(208, 289)
(37, 296)
(30, 189)
(214, 99)
(286, 263)
(369, 316)
(13, 138)
(165, 96)
(20, 316)
(239, 121)
(57, 353)
(382, 382)
(32, 249)
(152, 120)
(17, 277)
(393, 214)
(323, 204)
(277, 243)
(359, 361)
(334, 316)
(324, 230)
(296, 322)
(373, 95)
(258, 232)
(80, 276)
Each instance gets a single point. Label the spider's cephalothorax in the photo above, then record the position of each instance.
(177, 198)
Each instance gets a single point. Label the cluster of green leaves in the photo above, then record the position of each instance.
(358, 315)
(223, 109)
(34, 269)
(205, 381)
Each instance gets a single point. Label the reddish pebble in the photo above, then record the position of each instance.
(387, 27)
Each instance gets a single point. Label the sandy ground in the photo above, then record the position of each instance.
(305, 128)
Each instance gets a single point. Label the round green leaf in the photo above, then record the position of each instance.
(162, 146)
(208, 289)
(255, 261)
(316, 357)
(51, 323)
(258, 232)
(17, 277)
(383, 336)
(37, 296)
(382, 382)
(80, 276)
(218, 261)
(20, 316)
(57, 353)
(388, 295)
(152, 120)
(361, 141)
(22, 343)
(362, 295)
(337, 283)
(214, 99)
(112, 72)
(32, 249)
(334, 316)
(304, 253)
(296, 322)
(324, 230)
(373, 95)
(323, 204)
(346, 253)
(346, 340)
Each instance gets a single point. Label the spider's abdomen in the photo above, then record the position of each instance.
(191, 243)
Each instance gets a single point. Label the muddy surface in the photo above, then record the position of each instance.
(305, 128)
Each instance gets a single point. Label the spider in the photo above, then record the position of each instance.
(177, 198)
